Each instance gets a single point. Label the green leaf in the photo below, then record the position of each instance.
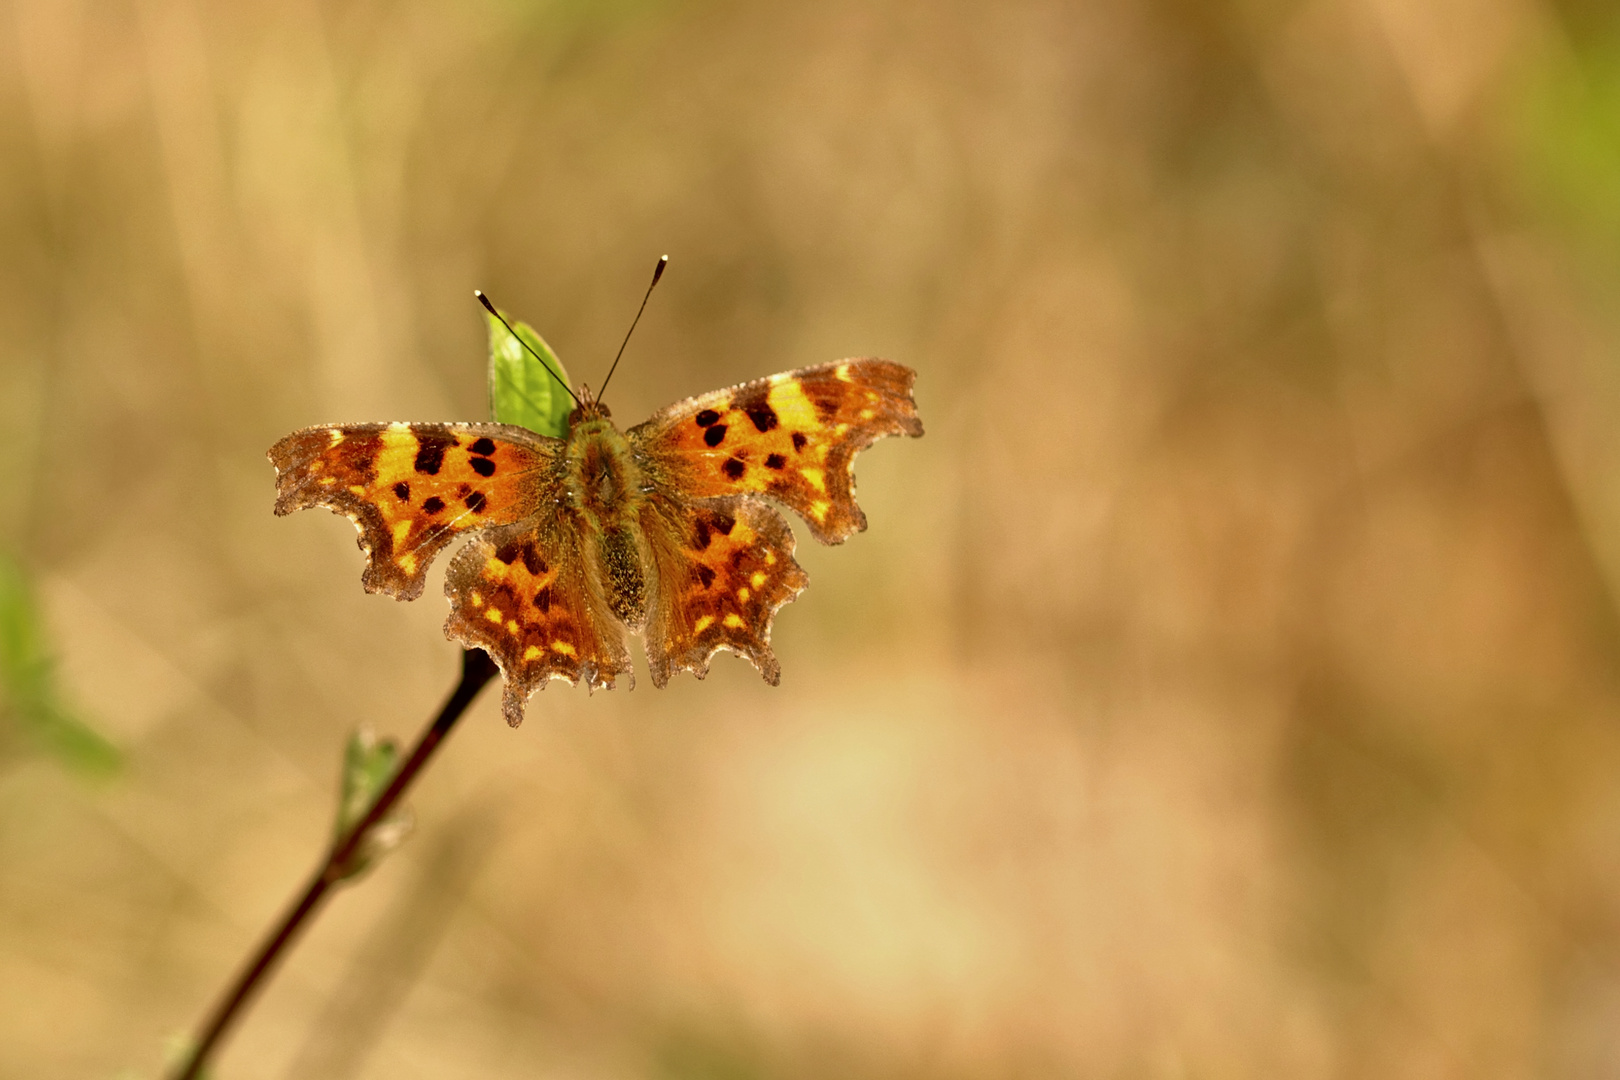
(520, 390)
(368, 765)
(29, 700)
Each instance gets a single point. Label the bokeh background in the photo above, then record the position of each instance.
(1228, 685)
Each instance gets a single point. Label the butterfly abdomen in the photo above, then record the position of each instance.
(623, 565)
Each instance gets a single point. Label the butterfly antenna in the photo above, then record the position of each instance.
(489, 307)
(658, 272)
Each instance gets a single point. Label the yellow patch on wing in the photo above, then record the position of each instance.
(759, 575)
(407, 563)
(532, 653)
(795, 411)
(494, 615)
(817, 478)
(703, 623)
(397, 454)
(562, 647)
(734, 621)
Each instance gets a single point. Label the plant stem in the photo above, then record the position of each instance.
(476, 670)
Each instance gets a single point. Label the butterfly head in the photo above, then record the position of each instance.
(589, 407)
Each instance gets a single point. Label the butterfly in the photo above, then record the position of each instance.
(666, 529)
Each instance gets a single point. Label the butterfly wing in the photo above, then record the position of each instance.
(792, 436)
(522, 594)
(723, 557)
(723, 566)
(410, 489)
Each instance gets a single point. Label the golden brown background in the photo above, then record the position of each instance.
(1228, 685)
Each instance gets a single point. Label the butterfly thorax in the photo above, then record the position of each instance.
(606, 489)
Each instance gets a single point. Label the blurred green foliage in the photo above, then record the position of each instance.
(521, 391)
(30, 704)
(1566, 130)
(699, 1054)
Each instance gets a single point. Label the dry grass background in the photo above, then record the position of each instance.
(1227, 686)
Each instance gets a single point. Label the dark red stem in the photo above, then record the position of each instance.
(476, 670)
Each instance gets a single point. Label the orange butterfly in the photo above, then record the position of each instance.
(662, 529)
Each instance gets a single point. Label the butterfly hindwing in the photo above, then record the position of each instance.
(724, 566)
(412, 488)
(521, 593)
(792, 436)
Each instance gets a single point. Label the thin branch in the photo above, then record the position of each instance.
(476, 670)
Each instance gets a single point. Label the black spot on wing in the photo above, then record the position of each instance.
(482, 466)
(430, 451)
(533, 561)
(475, 502)
(403, 491)
(484, 446)
(701, 534)
(542, 600)
(799, 441)
(508, 553)
(715, 435)
(723, 523)
(706, 417)
(734, 468)
(763, 416)
(705, 575)
(432, 505)
(775, 461)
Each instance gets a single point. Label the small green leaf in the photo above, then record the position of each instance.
(368, 765)
(521, 391)
(28, 692)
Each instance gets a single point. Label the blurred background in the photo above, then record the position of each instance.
(1227, 686)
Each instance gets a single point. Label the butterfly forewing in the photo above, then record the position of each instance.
(412, 488)
(792, 436)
